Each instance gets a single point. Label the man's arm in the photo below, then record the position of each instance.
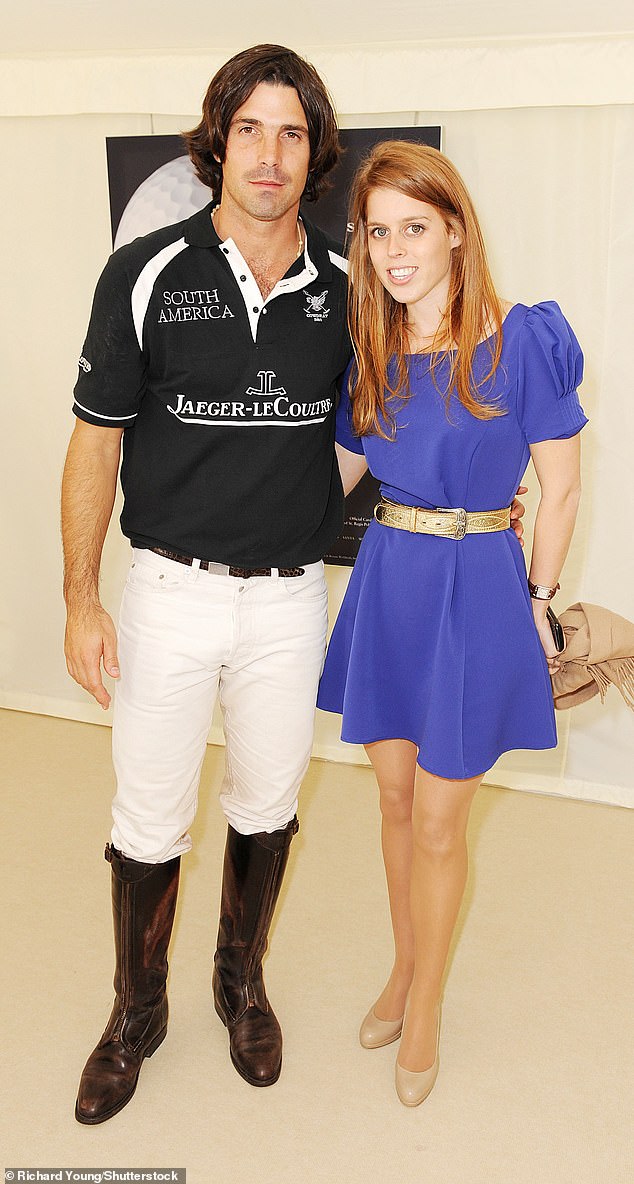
(352, 466)
(88, 491)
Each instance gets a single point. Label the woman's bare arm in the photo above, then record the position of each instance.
(557, 464)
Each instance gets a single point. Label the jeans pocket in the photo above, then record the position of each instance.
(310, 586)
(156, 574)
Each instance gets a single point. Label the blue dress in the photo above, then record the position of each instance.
(435, 641)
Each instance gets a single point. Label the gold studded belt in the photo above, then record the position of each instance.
(449, 524)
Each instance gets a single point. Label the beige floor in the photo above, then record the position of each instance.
(536, 1081)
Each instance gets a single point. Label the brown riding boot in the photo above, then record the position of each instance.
(143, 905)
(254, 867)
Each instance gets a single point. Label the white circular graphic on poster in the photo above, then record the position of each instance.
(168, 195)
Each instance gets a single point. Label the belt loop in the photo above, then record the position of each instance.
(192, 574)
(275, 572)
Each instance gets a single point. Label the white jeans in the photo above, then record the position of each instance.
(184, 633)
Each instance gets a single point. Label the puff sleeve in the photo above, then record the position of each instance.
(550, 368)
(343, 429)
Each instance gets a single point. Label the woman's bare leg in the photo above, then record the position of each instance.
(394, 763)
(438, 875)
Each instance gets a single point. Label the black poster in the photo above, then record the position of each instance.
(152, 184)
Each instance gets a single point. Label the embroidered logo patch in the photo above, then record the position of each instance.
(315, 309)
(85, 364)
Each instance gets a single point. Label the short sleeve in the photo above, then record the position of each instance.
(550, 370)
(111, 379)
(343, 431)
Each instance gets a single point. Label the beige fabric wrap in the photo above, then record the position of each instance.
(599, 651)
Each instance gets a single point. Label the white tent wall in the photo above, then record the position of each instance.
(544, 136)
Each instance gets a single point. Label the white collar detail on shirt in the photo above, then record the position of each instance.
(249, 289)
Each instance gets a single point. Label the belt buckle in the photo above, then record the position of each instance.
(460, 524)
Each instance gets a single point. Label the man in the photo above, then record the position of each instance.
(213, 350)
(204, 354)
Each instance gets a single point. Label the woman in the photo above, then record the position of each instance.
(439, 660)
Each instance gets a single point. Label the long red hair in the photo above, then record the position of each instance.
(378, 323)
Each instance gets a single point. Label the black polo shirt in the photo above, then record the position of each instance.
(227, 401)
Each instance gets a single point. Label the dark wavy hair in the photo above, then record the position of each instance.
(230, 88)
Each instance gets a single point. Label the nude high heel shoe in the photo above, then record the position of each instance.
(376, 1033)
(413, 1088)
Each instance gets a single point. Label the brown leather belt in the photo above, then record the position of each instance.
(449, 524)
(222, 569)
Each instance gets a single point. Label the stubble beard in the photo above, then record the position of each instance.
(269, 206)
